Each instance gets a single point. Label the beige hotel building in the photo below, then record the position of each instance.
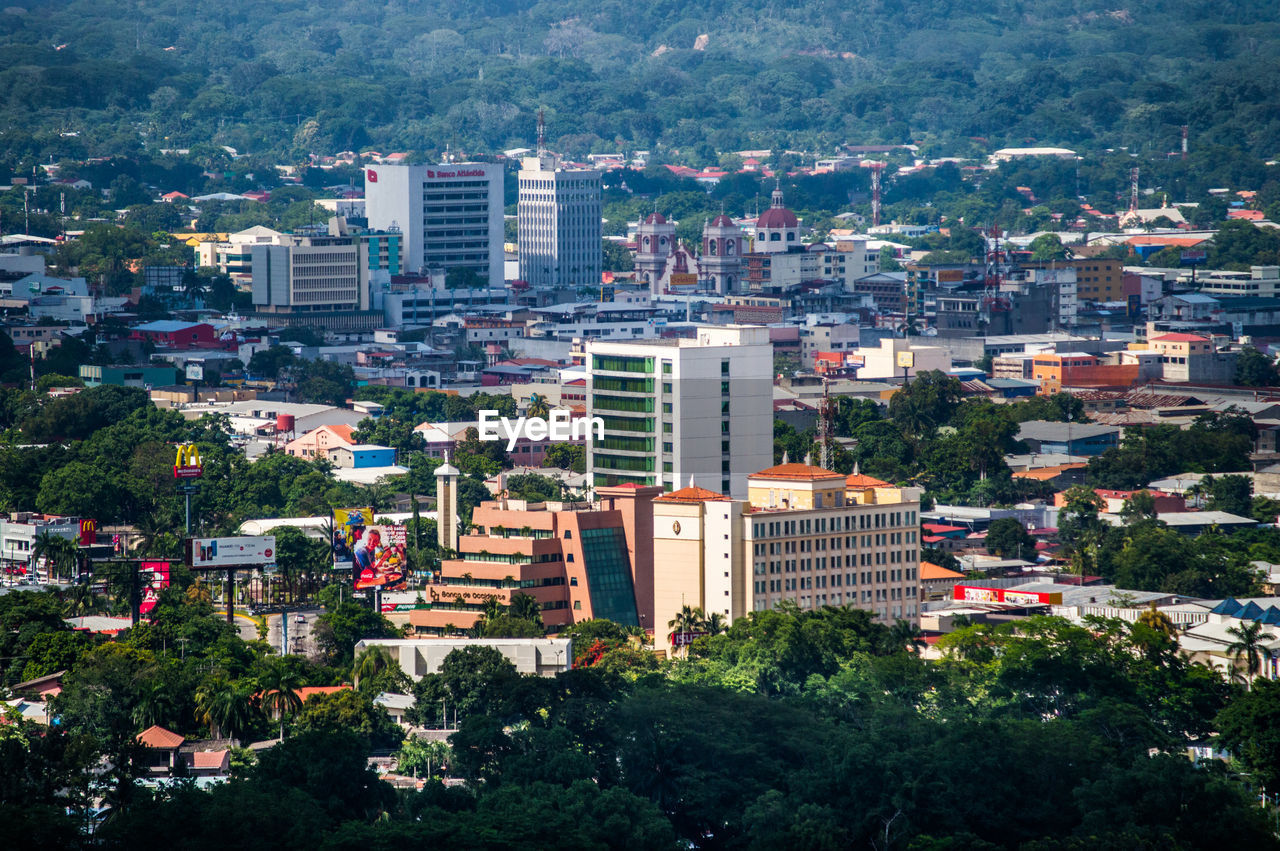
(804, 534)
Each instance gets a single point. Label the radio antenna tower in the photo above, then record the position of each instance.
(825, 417)
(542, 133)
(1185, 128)
(876, 168)
(1133, 190)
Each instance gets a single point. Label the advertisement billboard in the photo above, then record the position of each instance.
(159, 571)
(977, 594)
(231, 552)
(375, 553)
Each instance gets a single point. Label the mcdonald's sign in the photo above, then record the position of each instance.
(187, 465)
(88, 532)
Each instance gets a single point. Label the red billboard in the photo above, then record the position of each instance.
(979, 594)
(159, 571)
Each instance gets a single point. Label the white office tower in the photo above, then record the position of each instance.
(678, 410)
(450, 215)
(559, 223)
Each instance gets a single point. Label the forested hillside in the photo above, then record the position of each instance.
(288, 78)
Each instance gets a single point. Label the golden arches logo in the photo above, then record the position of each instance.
(88, 526)
(187, 464)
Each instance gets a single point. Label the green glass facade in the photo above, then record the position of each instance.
(609, 575)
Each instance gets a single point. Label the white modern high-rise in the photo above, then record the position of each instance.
(450, 215)
(559, 223)
(678, 410)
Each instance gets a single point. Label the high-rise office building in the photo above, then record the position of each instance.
(676, 409)
(450, 215)
(559, 223)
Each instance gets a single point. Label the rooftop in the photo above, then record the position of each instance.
(796, 472)
(156, 736)
(692, 494)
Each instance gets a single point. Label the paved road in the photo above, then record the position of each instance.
(300, 623)
(299, 630)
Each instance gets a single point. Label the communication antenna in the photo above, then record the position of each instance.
(1185, 128)
(876, 168)
(542, 133)
(824, 428)
(1133, 190)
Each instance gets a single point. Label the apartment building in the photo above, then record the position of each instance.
(676, 410)
(559, 223)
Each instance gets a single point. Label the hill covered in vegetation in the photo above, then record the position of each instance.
(293, 77)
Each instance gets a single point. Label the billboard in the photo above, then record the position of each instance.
(977, 594)
(159, 571)
(231, 552)
(375, 553)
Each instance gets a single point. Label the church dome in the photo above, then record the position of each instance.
(777, 217)
(655, 219)
(722, 221)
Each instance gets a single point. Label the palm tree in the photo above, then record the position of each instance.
(225, 705)
(1249, 643)
(155, 704)
(688, 619)
(81, 601)
(714, 624)
(906, 634)
(538, 406)
(279, 686)
(369, 664)
(525, 607)
(56, 551)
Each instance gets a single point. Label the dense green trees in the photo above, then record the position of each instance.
(816, 728)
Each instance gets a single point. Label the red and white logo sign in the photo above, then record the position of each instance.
(430, 173)
(370, 175)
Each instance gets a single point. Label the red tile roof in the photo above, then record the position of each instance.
(1181, 338)
(211, 759)
(861, 481)
(692, 494)
(800, 472)
(156, 736)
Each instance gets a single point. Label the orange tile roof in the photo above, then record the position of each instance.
(343, 431)
(692, 494)
(863, 481)
(156, 736)
(1044, 474)
(929, 570)
(801, 472)
(308, 692)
